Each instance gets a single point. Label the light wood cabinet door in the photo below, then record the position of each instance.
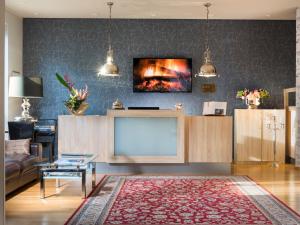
(254, 135)
(248, 135)
(210, 139)
(83, 134)
(271, 117)
(291, 126)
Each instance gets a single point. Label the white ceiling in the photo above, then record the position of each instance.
(156, 9)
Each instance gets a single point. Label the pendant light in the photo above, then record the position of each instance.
(207, 69)
(109, 69)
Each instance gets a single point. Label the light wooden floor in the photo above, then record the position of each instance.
(27, 208)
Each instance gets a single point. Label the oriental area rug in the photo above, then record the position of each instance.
(134, 200)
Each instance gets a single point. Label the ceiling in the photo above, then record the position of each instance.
(156, 9)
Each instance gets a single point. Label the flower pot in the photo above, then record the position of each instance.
(252, 103)
(80, 111)
(252, 106)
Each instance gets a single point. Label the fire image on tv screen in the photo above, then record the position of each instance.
(162, 75)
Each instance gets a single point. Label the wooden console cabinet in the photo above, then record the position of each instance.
(195, 139)
(254, 139)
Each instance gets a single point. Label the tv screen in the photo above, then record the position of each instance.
(162, 75)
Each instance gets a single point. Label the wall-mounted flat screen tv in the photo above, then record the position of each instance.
(162, 75)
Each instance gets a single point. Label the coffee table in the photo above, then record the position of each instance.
(68, 166)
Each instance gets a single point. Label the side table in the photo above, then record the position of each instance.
(67, 169)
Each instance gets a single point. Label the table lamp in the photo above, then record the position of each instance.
(25, 87)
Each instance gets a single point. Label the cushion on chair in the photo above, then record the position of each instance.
(17, 147)
(12, 169)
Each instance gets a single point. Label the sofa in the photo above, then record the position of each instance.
(20, 169)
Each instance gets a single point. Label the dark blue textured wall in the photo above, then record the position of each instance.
(246, 53)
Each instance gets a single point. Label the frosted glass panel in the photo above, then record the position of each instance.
(146, 136)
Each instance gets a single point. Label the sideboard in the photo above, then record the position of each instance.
(255, 135)
(148, 136)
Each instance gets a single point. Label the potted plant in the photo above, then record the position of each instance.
(252, 98)
(75, 104)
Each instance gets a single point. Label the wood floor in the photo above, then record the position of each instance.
(27, 208)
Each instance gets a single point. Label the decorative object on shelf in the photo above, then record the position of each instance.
(274, 125)
(117, 104)
(253, 98)
(214, 108)
(26, 88)
(178, 106)
(208, 88)
(109, 68)
(76, 104)
(207, 69)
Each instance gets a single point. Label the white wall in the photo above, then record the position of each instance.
(2, 173)
(14, 31)
(297, 151)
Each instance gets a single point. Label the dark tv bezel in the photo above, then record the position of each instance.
(190, 62)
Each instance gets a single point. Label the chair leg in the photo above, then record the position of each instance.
(51, 152)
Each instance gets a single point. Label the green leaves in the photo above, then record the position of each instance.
(62, 81)
(264, 93)
(239, 94)
(73, 103)
(65, 83)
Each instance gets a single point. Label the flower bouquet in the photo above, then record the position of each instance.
(252, 98)
(76, 103)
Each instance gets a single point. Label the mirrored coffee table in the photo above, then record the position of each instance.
(68, 167)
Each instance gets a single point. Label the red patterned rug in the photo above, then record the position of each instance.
(182, 200)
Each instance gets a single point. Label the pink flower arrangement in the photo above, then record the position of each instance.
(82, 94)
(77, 96)
(252, 97)
(256, 93)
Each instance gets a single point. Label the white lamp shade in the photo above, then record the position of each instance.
(29, 87)
(16, 87)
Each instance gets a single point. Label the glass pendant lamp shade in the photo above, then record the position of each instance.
(109, 69)
(207, 69)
